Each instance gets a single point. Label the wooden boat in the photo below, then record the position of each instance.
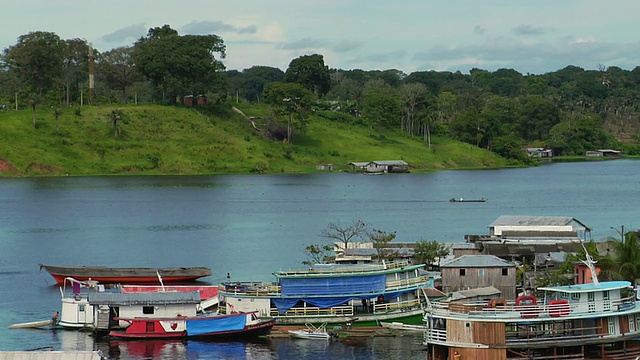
(468, 200)
(337, 294)
(202, 327)
(110, 275)
(596, 320)
(311, 332)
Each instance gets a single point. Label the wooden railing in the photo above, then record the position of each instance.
(510, 310)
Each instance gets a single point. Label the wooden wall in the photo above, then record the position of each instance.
(452, 281)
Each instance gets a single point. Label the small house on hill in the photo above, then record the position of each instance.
(476, 271)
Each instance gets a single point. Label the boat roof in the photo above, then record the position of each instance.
(339, 270)
(482, 261)
(589, 287)
(169, 297)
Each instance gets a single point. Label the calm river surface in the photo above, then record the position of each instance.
(253, 225)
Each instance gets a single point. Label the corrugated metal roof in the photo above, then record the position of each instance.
(465, 294)
(359, 163)
(51, 355)
(390, 162)
(519, 220)
(169, 297)
(482, 261)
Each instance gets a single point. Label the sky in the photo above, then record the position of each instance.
(531, 37)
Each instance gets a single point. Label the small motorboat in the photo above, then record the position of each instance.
(311, 332)
(482, 199)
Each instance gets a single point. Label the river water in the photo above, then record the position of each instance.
(251, 226)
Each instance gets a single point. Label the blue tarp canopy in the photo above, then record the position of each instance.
(326, 292)
(328, 286)
(215, 324)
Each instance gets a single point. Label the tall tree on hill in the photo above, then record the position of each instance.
(380, 105)
(37, 59)
(256, 77)
(76, 66)
(292, 101)
(310, 72)
(117, 69)
(181, 65)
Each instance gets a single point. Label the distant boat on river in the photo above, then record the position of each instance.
(110, 275)
(482, 199)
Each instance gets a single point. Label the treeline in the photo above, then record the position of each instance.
(571, 111)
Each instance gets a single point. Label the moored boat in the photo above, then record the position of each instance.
(203, 327)
(596, 320)
(208, 293)
(125, 275)
(311, 332)
(338, 294)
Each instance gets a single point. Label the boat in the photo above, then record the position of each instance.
(338, 294)
(237, 325)
(95, 306)
(311, 332)
(482, 199)
(593, 320)
(111, 275)
(404, 327)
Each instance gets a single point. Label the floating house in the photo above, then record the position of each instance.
(477, 271)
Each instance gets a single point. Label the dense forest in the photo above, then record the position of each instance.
(570, 111)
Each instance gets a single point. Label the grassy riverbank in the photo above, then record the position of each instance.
(156, 139)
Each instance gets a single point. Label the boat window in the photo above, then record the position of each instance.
(148, 310)
(151, 326)
(605, 295)
(575, 296)
(463, 272)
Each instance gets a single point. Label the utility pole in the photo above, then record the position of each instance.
(620, 232)
(91, 73)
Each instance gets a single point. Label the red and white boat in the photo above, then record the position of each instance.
(204, 327)
(138, 275)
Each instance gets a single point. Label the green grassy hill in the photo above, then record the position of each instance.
(156, 139)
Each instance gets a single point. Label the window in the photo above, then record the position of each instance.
(151, 327)
(505, 271)
(462, 272)
(81, 308)
(147, 310)
(481, 272)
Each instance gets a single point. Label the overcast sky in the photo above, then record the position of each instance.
(534, 36)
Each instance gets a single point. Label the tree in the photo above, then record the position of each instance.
(256, 77)
(181, 64)
(414, 101)
(116, 116)
(118, 71)
(76, 66)
(37, 58)
(380, 239)
(380, 105)
(290, 100)
(318, 254)
(310, 72)
(345, 234)
(426, 252)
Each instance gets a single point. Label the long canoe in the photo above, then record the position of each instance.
(111, 275)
